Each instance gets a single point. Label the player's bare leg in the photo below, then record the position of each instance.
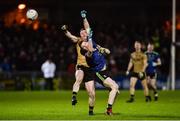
(79, 77)
(133, 81)
(153, 85)
(112, 94)
(91, 92)
(146, 90)
(148, 79)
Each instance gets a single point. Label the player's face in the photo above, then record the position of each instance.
(83, 35)
(85, 45)
(150, 47)
(137, 45)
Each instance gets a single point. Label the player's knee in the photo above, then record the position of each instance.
(115, 87)
(153, 84)
(79, 78)
(131, 86)
(145, 87)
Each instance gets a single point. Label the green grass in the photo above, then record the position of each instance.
(57, 105)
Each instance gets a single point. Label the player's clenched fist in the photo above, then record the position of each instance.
(127, 73)
(83, 13)
(141, 74)
(64, 28)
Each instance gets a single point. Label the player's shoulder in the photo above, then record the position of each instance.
(133, 53)
(143, 53)
(79, 40)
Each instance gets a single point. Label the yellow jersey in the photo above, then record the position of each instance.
(81, 59)
(138, 59)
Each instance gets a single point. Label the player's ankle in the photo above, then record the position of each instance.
(74, 93)
(91, 113)
(148, 98)
(132, 97)
(109, 106)
(91, 108)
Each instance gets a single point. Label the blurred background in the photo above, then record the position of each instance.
(25, 45)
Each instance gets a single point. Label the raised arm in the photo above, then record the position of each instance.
(85, 21)
(69, 35)
(90, 33)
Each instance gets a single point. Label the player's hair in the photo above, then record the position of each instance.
(151, 43)
(137, 41)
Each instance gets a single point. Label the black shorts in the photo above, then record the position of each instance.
(88, 73)
(152, 75)
(136, 75)
(101, 76)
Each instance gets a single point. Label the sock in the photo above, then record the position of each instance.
(91, 108)
(155, 92)
(132, 96)
(147, 97)
(109, 106)
(74, 94)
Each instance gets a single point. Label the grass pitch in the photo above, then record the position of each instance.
(56, 105)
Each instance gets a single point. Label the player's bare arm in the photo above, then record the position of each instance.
(130, 65)
(145, 63)
(103, 50)
(69, 35)
(86, 25)
(158, 63)
(85, 21)
(88, 30)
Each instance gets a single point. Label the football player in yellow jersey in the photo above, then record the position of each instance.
(138, 62)
(83, 72)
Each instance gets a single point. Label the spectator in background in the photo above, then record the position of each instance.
(48, 68)
(24, 45)
(6, 65)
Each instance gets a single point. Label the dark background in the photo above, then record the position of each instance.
(116, 25)
(126, 11)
